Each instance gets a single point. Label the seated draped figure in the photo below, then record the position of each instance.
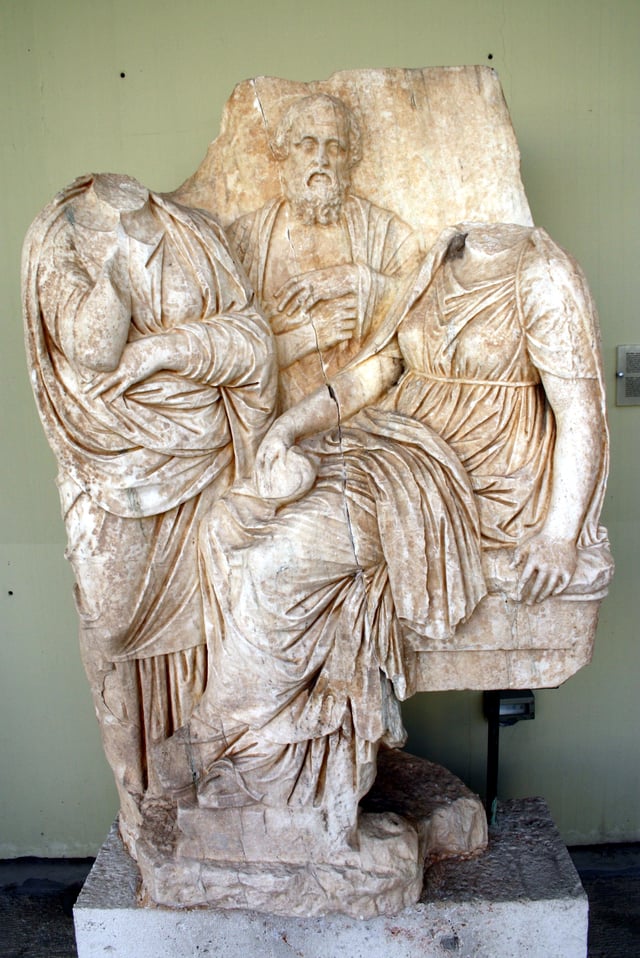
(300, 468)
(461, 451)
(138, 324)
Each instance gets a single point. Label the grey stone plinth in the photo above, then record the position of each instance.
(522, 897)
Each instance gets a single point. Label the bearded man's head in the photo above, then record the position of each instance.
(318, 142)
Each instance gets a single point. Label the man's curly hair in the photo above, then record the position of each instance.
(305, 104)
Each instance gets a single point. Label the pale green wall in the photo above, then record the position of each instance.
(571, 74)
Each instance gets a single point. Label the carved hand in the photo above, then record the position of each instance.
(327, 324)
(545, 566)
(140, 359)
(116, 268)
(334, 321)
(98, 333)
(282, 471)
(303, 292)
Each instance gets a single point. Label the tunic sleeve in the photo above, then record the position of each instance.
(557, 311)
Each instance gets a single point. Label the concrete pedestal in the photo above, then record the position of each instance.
(522, 897)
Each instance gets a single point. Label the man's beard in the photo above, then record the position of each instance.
(312, 207)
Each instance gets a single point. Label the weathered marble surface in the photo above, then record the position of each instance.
(421, 162)
(353, 449)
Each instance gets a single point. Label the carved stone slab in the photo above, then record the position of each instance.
(438, 146)
(331, 430)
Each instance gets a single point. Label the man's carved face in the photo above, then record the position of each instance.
(315, 174)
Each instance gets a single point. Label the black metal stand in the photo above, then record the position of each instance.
(492, 713)
(505, 707)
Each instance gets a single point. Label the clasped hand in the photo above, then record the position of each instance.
(323, 302)
(304, 291)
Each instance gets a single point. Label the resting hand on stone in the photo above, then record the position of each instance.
(545, 567)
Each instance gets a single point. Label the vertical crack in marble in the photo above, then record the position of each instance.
(332, 394)
(262, 114)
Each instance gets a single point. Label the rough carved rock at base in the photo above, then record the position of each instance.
(417, 813)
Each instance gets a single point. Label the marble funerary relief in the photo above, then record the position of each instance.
(330, 428)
